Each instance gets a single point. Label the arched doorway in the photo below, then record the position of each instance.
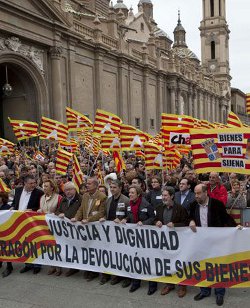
(29, 98)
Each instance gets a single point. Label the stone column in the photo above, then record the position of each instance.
(159, 100)
(130, 91)
(190, 103)
(71, 73)
(121, 110)
(98, 80)
(195, 105)
(173, 97)
(57, 102)
(201, 104)
(145, 117)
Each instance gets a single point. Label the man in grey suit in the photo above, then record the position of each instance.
(116, 208)
(185, 196)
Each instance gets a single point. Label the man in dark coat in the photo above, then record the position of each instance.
(185, 196)
(27, 198)
(171, 214)
(208, 212)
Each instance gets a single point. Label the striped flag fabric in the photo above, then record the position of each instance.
(119, 162)
(6, 147)
(77, 121)
(110, 143)
(62, 161)
(153, 156)
(106, 123)
(4, 187)
(132, 139)
(233, 120)
(24, 129)
(206, 124)
(248, 103)
(53, 130)
(78, 177)
(140, 154)
(71, 146)
(174, 120)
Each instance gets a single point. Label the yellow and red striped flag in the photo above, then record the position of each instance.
(78, 177)
(206, 124)
(77, 121)
(110, 143)
(175, 120)
(119, 162)
(24, 129)
(62, 161)
(53, 130)
(6, 147)
(140, 154)
(106, 123)
(131, 138)
(3, 187)
(153, 156)
(233, 120)
(71, 146)
(248, 103)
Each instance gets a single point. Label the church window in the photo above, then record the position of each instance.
(142, 27)
(212, 8)
(213, 50)
(152, 123)
(137, 122)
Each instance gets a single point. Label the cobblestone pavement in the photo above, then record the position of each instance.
(33, 291)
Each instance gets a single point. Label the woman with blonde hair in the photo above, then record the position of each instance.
(51, 199)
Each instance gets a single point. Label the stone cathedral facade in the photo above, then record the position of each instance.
(89, 54)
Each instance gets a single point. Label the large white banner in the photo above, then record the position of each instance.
(213, 257)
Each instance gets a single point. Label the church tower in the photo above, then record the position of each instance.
(215, 41)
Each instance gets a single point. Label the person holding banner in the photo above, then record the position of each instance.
(139, 212)
(171, 214)
(154, 195)
(27, 198)
(208, 212)
(91, 209)
(68, 208)
(116, 208)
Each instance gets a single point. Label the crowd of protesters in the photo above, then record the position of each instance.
(154, 197)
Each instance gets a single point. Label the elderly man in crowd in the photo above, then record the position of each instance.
(116, 207)
(68, 208)
(92, 209)
(215, 189)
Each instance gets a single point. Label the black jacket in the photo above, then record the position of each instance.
(217, 214)
(145, 213)
(34, 201)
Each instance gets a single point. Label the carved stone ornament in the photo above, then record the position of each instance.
(14, 44)
(56, 51)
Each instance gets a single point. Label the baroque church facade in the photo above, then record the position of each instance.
(89, 54)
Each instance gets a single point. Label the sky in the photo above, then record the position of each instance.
(166, 15)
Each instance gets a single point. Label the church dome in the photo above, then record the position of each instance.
(120, 5)
(160, 33)
(186, 53)
(145, 1)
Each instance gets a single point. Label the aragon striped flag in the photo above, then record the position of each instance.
(71, 146)
(248, 103)
(6, 147)
(62, 161)
(153, 156)
(3, 187)
(53, 130)
(174, 120)
(76, 120)
(24, 129)
(106, 123)
(233, 120)
(132, 139)
(110, 143)
(78, 177)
